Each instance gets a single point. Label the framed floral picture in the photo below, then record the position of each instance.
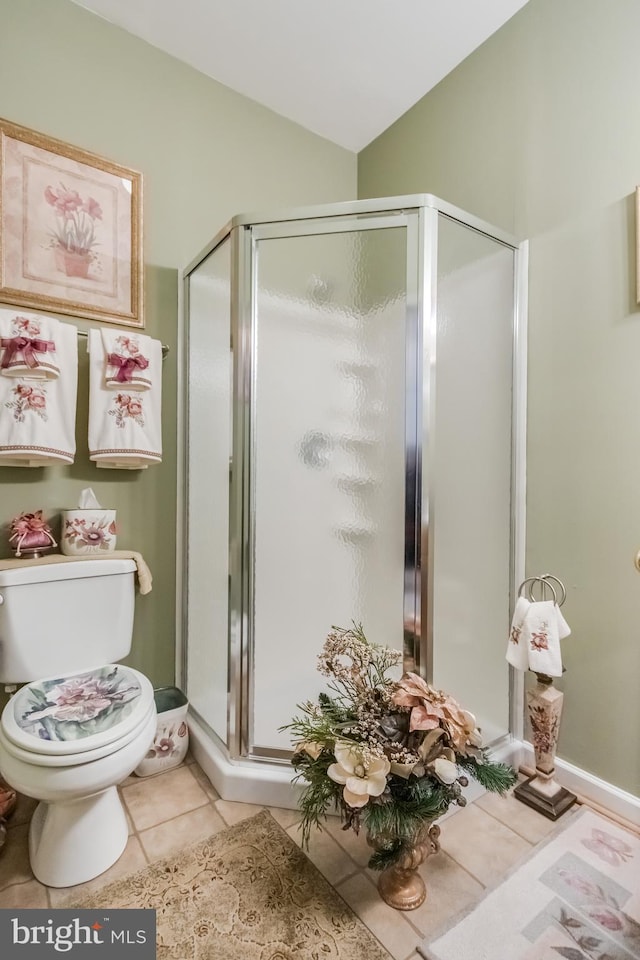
(70, 230)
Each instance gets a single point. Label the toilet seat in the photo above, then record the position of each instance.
(63, 721)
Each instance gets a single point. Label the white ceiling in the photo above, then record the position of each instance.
(345, 69)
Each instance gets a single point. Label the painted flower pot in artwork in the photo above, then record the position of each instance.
(72, 263)
(171, 741)
(77, 264)
(87, 531)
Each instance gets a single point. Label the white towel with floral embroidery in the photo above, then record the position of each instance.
(125, 427)
(542, 630)
(517, 652)
(38, 417)
(129, 360)
(28, 345)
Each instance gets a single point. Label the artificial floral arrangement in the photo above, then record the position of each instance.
(388, 755)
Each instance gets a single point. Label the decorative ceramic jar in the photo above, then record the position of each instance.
(87, 531)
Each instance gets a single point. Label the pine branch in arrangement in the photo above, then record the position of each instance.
(405, 818)
(319, 795)
(387, 856)
(496, 777)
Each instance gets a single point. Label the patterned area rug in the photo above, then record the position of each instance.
(578, 897)
(248, 893)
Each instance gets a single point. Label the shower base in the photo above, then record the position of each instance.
(249, 781)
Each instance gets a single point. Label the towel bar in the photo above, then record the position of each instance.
(165, 348)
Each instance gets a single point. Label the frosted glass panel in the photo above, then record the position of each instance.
(209, 430)
(328, 457)
(471, 465)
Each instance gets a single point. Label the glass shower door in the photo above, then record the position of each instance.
(207, 517)
(330, 421)
(470, 472)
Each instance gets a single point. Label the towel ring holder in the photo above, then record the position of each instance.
(545, 583)
(549, 576)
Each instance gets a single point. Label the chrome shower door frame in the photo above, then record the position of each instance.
(243, 560)
(420, 215)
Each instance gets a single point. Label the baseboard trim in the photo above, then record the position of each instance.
(270, 784)
(591, 790)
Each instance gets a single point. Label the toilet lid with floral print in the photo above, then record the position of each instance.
(77, 713)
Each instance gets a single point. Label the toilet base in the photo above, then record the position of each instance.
(74, 841)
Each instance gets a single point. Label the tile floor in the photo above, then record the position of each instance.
(166, 812)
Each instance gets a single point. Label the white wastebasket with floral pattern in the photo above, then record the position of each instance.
(171, 741)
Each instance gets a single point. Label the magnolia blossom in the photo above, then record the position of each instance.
(309, 747)
(445, 770)
(363, 777)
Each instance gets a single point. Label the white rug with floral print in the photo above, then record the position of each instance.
(578, 897)
(248, 893)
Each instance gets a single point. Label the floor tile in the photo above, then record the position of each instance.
(14, 861)
(204, 781)
(286, 818)
(390, 926)
(132, 860)
(520, 818)
(153, 800)
(450, 890)
(30, 895)
(355, 844)
(174, 835)
(482, 845)
(329, 857)
(170, 811)
(232, 811)
(131, 829)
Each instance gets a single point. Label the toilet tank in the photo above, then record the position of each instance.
(59, 617)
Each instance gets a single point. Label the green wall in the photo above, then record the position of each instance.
(538, 132)
(206, 153)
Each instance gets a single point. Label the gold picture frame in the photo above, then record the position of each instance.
(70, 230)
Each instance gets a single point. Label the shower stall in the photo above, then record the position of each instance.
(352, 451)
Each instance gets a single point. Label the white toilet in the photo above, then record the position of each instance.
(82, 722)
